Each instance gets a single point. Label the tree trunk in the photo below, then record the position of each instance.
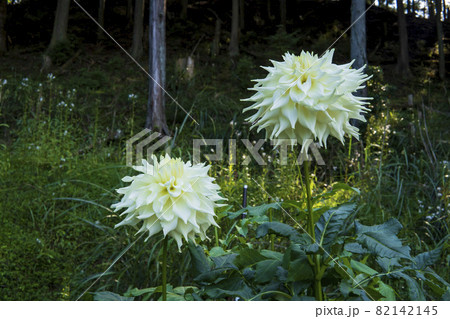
(101, 19)
(269, 10)
(440, 36)
(431, 13)
(283, 14)
(241, 15)
(60, 25)
(413, 7)
(184, 6)
(358, 51)
(130, 11)
(358, 34)
(408, 6)
(3, 8)
(216, 41)
(403, 57)
(444, 18)
(137, 49)
(234, 42)
(156, 115)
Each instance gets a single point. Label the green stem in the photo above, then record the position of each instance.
(272, 236)
(216, 235)
(164, 269)
(317, 273)
(309, 202)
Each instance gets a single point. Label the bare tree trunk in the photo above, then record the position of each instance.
(440, 36)
(283, 14)
(61, 21)
(234, 42)
(358, 39)
(137, 49)
(408, 6)
(413, 7)
(241, 15)
(431, 13)
(358, 51)
(444, 17)
(101, 19)
(403, 57)
(184, 6)
(156, 115)
(130, 11)
(358, 34)
(269, 10)
(217, 31)
(3, 8)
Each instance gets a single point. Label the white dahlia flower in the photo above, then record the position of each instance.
(175, 197)
(307, 98)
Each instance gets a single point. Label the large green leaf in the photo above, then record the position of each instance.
(382, 239)
(272, 254)
(429, 258)
(415, 292)
(300, 270)
(110, 296)
(229, 287)
(387, 291)
(210, 276)
(388, 264)
(135, 292)
(266, 269)
(199, 262)
(355, 248)
(225, 261)
(248, 257)
(332, 224)
(281, 230)
(426, 259)
(362, 268)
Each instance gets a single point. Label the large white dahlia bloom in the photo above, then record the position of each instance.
(307, 98)
(171, 196)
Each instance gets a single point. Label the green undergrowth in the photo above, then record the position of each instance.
(62, 155)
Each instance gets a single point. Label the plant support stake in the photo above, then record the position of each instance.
(244, 201)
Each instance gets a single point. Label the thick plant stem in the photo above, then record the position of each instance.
(317, 276)
(164, 269)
